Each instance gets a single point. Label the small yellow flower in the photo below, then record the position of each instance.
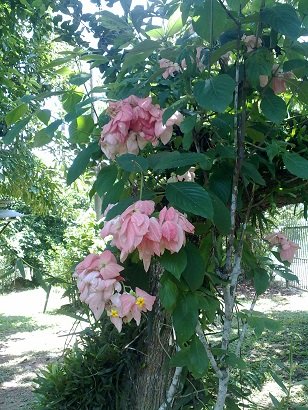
(140, 302)
(114, 313)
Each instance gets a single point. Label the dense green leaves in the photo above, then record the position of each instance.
(215, 93)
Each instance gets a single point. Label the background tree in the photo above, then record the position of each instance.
(237, 72)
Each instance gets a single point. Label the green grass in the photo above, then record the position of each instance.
(285, 353)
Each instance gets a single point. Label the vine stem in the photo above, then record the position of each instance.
(172, 389)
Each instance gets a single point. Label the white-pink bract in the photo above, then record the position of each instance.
(287, 248)
(133, 305)
(173, 224)
(251, 42)
(170, 67)
(135, 122)
(135, 229)
(278, 79)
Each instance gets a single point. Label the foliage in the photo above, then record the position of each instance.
(89, 374)
(222, 138)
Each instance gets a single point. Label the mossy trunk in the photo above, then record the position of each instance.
(147, 382)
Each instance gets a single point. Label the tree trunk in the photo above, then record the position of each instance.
(148, 381)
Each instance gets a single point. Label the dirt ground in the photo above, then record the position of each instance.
(29, 341)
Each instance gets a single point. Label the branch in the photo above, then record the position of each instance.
(172, 389)
(243, 332)
(208, 350)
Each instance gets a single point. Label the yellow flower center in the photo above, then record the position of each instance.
(140, 302)
(114, 313)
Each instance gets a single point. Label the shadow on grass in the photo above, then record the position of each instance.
(10, 325)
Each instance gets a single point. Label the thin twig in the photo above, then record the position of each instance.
(208, 350)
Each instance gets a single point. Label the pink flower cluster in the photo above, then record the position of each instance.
(278, 79)
(134, 123)
(99, 284)
(136, 229)
(287, 248)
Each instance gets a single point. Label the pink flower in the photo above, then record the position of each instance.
(173, 224)
(278, 79)
(134, 122)
(251, 42)
(130, 227)
(150, 244)
(171, 67)
(287, 248)
(105, 263)
(164, 131)
(135, 304)
(288, 251)
(114, 311)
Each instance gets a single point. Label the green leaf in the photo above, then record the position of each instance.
(257, 324)
(185, 316)
(236, 4)
(206, 17)
(113, 195)
(21, 268)
(273, 107)
(176, 159)
(13, 132)
(221, 216)
(174, 24)
(14, 115)
(195, 267)
(70, 99)
(174, 263)
(79, 79)
(252, 173)
(44, 116)
(168, 295)
(140, 53)
(132, 163)
(282, 18)
(81, 128)
(94, 57)
(300, 88)
(198, 357)
(81, 162)
(181, 358)
(188, 123)
(190, 197)
(275, 402)
(60, 61)
(296, 164)
(261, 280)
(173, 108)
(120, 207)
(157, 33)
(105, 179)
(112, 21)
(258, 62)
(215, 93)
